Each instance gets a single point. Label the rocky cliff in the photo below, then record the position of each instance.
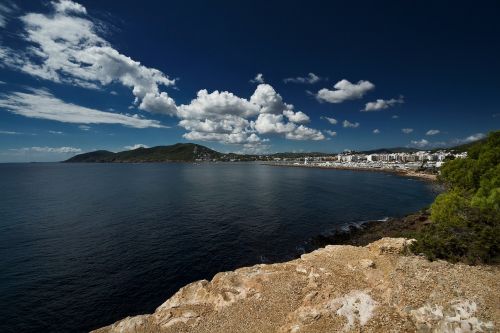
(376, 288)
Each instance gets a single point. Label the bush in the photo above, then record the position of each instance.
(466, 218)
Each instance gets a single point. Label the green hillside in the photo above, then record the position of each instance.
(180, 152)
(466, 218)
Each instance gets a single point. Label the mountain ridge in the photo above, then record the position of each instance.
(191, 152)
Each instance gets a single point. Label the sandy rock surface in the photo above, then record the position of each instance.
(377, 288)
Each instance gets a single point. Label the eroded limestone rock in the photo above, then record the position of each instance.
(377, 288)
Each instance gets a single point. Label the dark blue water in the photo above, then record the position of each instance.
(83, 245)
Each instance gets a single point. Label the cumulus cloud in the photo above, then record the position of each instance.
(381, 104)
(65, 47)
(43, 105)
(67, 6)
(376, 131)
(407, 130)
(259, 78)
(273, 123)
(311, 78)
(344, 91)
(54, 150)
(136, 146)
(227, 118)
(421, 143)
(332, 121)
(298, 117)
(331, 133)
(348, 124)
(56, 132)
(305, 133)
(217, 105)
(269, 100)
(433, 132)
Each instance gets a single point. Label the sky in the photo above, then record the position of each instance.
(245, 76)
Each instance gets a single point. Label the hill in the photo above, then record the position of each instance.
(180, 152)
(190, 152)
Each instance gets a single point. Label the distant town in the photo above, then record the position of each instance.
(404, 161)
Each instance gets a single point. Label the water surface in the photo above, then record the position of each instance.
(83, 245)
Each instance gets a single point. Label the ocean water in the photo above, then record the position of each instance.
(83, 245)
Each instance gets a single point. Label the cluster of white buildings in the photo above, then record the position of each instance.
(404, 161)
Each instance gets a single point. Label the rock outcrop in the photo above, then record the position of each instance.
(377, 288)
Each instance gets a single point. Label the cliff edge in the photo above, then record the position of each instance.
(376, 288)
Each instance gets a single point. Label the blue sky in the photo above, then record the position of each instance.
(245, 76)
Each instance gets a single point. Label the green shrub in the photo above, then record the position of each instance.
(466, 218)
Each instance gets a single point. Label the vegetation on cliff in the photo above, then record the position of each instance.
(466, 218)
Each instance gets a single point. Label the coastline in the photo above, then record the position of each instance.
(375, 288)
(406, 173)
(364, 233)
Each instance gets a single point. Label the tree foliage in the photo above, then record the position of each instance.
(466, 218)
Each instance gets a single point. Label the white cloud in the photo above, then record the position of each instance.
(433, 132)
(10, 133)
(227, 118)
(348, 124)
(311, 78)
(259, 78)
(381, 104)
(305, 133)
(395, 116)
(331, 133)
(269, 100)
(254, 149)
(65, 47)
(136, 146)
(112, 92)
(296, 117)
(473, 137)
(158, 103)
(217, 105)
(54, 150)
(84, 127)
(453, 142)
(421, 143)
(332, 121)
(56, 132)
(345, 90)
(271, 123)
(6, 11)
(407, 130)
(43, 105)
(67, 6)
(376, 131)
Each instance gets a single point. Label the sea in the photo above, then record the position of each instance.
(84, 245)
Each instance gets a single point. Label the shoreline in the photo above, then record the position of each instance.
(407, 173)
(374, 287)
(364, 233)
